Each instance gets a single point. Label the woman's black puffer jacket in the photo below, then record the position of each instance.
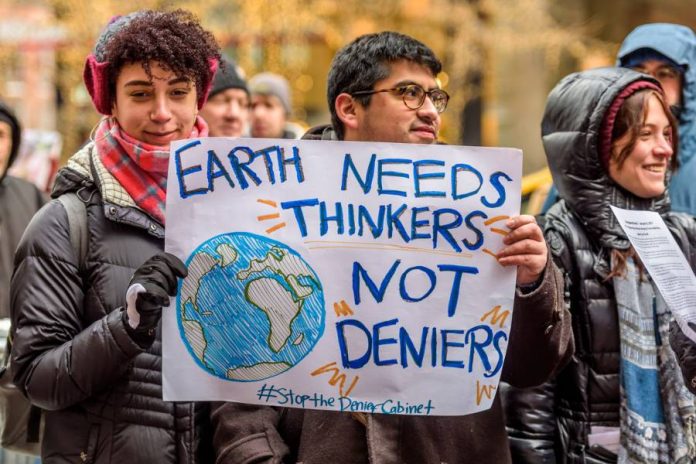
(550, 424)
(72, 356)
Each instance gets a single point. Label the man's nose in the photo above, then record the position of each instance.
(428, 111)
(233, 108)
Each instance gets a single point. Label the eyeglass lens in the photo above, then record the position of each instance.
(414, 97)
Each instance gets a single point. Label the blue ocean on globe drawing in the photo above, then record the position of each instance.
(250, 307)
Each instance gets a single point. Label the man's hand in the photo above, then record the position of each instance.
(525, 248)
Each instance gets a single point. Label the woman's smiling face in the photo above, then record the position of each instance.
(643, 171)
(156, 110)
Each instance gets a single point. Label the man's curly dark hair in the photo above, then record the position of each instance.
(174, 39)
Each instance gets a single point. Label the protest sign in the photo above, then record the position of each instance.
(344, 276)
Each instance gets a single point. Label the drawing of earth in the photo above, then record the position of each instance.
(250, 307)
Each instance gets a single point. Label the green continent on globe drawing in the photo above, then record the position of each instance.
(280, 304)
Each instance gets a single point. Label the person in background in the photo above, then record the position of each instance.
(610, 140)
(227, 108)
(668, 53)
(271, 107)
(19, 200)
(396, 98)
(87, 343)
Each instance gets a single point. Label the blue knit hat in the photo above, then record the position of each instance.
(636, 58)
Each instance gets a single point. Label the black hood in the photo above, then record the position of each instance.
(323, 132)
(7, 115)
(570, 133)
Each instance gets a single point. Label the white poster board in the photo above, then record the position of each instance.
(339, 275)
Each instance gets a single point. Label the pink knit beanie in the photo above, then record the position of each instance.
(610, 117)
(96, 72)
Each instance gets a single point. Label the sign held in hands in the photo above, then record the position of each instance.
(339, 275)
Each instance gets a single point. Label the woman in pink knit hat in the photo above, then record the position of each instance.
(87, 347)
(610, 140)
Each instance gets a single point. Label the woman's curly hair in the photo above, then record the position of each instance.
(174, 39)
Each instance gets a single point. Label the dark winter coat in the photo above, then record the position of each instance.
(685, 350)
(540, 343)
(72, 355)
(19, 200)
(550, 424)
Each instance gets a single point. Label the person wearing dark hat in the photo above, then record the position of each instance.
(668, 53)
(19, 200)
(227, 108)
(87, 339)
(271, 107)
(611, 140)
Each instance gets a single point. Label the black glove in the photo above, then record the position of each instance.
(159, 277)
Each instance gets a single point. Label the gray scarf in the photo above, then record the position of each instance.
(658, 413)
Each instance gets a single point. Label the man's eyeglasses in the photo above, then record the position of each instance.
(665, 72)
(413, 96)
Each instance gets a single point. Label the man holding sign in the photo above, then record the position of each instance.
(383, 88)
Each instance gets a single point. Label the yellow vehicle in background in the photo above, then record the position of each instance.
(535, 188)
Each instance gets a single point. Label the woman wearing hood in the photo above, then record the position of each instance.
(668, 53)
(610, 140)
(87, 343)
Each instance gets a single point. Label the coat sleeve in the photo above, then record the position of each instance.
(531, 424)
(684, 231)
(530, 412)
(244, 433)
(58, 360)
(685, 350)
(541, 337)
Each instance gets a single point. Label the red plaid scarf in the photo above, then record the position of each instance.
(140, 168)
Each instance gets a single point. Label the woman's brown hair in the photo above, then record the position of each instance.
(631, 117)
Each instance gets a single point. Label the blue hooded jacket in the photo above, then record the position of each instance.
(678, 43)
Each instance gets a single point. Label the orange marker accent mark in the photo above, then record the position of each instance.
(495, 219)
(489, 252)
(268, 202)
(482, 390)
(336, 377)
(496, 315)
(342, 309)
(275, 227)
(495, 230)
(266, 217)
